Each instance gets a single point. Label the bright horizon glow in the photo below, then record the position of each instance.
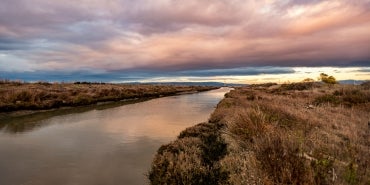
(246, 76)
(300, 73)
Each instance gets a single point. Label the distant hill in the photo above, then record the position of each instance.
(356, 82)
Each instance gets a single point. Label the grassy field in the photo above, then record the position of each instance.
(16, 96)
(299, 133)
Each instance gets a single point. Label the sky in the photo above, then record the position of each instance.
(234, 41)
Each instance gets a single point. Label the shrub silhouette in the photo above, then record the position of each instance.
(327, 79)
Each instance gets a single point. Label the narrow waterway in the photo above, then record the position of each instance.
(97, 146)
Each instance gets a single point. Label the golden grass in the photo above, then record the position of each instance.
(35, 96)
(295, 142)
(289, 134)
(192, 158)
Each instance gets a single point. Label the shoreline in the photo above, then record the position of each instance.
(101, 104)
(274, 134)
(16, 97)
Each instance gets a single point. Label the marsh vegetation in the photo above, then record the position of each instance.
(43, 95)
(298, 133)
(104, 144)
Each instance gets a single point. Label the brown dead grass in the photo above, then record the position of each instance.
(294, 142)
(42, 95)
(192, 158)
(282, 134)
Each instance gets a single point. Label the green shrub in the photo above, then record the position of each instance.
(366, 85)
(192, 158)
(263, 85)
(24, 96)
(281, 160)
(356, 97)
(322, 168)
(327, 79)
(327, 98)
(352, 97)
(351, 174)
(82, 100)
(298, 86)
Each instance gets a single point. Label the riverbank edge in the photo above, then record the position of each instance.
(194, 157)
(274, 134)
(26, 112)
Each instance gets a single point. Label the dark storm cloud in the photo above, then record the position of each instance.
(13, 44)
(245, 71)
(66, 76)
(138, 75)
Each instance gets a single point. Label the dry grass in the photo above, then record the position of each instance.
(42, 95)
(192, 158)
(291, 134)
(295, 142)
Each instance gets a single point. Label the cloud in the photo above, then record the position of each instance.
(7, 44)
(171, 35)
(237, 71)
(232, 75)
(140, 75)
(365, 69)
(170, 15)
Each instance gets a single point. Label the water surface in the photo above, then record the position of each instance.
(96, 146)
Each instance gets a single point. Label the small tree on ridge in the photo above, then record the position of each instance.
(327, 79)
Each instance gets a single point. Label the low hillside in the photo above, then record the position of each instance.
(300, 133)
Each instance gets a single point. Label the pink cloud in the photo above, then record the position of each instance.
(169, 34)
